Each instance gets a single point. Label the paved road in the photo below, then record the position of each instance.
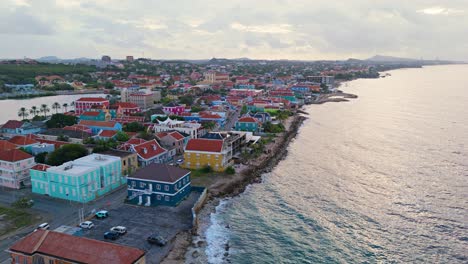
(56, 212)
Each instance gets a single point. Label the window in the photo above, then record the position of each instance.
(158, 186)
(158, 197)
(166, 188)
(142, 185)
(133, 184)
(166, 198)
(61, 189)
(124, 162)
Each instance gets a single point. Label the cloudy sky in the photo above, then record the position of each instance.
(262, 29)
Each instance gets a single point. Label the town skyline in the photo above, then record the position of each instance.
(294, 30)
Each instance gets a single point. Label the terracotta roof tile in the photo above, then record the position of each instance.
(149, 149)
(22, 141)
(91, 113)
(92, 99)
(76, 249)
(12, 124)
(208, 145)
(247, 120)
(97, 123)
(108, 133)
(40, 167)
(5, 145)
(14, 155)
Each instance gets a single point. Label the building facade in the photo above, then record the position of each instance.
(159, 184)
(247, 124)
(84, 104)
(14, 168)
(200, 153)
(81, 180)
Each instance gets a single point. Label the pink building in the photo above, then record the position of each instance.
(14, 168)
(173, 109)
(86, 103)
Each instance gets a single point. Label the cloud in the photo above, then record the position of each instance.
(21, 22)
(273, 29)
(437, 10)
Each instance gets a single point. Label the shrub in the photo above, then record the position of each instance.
(23, 202)
(207, 169)
(230, 170)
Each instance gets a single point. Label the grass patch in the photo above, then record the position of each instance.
(12, 219)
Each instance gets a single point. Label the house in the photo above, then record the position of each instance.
(6, 145)
(144, 98)
(23, 142)
(262, 117)
(73, 134)
(129, 160)
(172, 140)
(97, 126)
(159, 184)
(49, 80)
(44, 246)
(173, 109)
(193, 129)
(207, 152)
(14, 168)
(14, 127)
(41, 148)
(84, 104)
(247, 124)
(106, 135)
(150, 152)
(81, 180)
(126, 108)
(95, 116)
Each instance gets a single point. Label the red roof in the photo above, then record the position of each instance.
(108, 133)
(40, 167)
(91, 113)
(247, 119)
(5, 145)
(76, 249)
(22, 140)
(12, 124)
(212, 116)
(176, 135)
(14, 155)
(77, 128)
(208, 145)
(149, 149)
(97, 123)
(127, 105)
(92, 99)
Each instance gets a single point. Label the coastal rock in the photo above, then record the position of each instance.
(195, 254)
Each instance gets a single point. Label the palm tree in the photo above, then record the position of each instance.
(56, 107)
(65, 107)
(72, 104)
(34, 111)
(23, 112)
(44, 109)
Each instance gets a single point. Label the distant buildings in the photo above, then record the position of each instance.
(81, 180)
(144, 98)
(247, 124)
(84, 104)
(129, 59)
(14, 168)
(47, 247)
(194, 130)
(97, 126)
(14, 127)
(49, 80)
(106, 58)
(215, 77)
(173, 109)
(159, 184)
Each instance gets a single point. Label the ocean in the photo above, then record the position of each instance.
(380, 179)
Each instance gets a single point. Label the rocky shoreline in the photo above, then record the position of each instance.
(189, 247)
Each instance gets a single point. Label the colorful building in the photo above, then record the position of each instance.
(97, 126)
(15, 127)
(159, 184)
(247, 124)
(171, 140)
(150, 152)
(81, 180)
(200, 153)
(47, 247)
(173, 109)
(84, 104)
(14, 168)
(95, 116)
(129, 160)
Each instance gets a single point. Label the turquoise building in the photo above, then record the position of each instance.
(94, 116)
(158, 184)
(81, 180)
(247, 124)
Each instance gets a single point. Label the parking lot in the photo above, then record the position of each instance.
(143, 221)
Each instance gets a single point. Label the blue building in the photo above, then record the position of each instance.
(158, 184)
(98, 126)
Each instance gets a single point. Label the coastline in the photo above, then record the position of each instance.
(189, 246)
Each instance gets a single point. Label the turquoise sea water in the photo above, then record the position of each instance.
(380, 179)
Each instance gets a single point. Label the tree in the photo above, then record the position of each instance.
(23, 112)
(66, 153)
(187, 99)
(61, 120)
(122, 136)
(34, 111)
(230, 170)
(41, 157)
(62, 137)
(44, 109)
(134, 127)
(244, 110)
(196, 109)
(56, 106)
(324, 88)
(65, 107)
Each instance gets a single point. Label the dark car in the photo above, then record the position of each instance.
(111, 235)
(157, 240)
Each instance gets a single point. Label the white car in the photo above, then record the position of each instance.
(87, 225)
(44, 226)
(119, 229)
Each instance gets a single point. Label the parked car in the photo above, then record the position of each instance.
(111, 235)
(44, 226)
(156, 240)
(119, 229)
(180, 161)
(87, 225)
(102, 214)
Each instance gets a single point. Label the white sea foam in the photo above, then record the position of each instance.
(217, 235)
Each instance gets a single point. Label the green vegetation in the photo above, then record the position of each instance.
(25, 73)
(268, 127)
(23, 202)
(209, 125)
(23, 112)
(244, 110)
(41, 157)
(187, 100)
(61, 120)
(66, 153)
(134, 127)
(230, 170)
(14, 219)
(59, 87)
(122, 136)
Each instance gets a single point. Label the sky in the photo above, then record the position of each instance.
(257, 29)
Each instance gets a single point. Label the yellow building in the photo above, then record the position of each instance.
(129, 160)
(202, 152)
